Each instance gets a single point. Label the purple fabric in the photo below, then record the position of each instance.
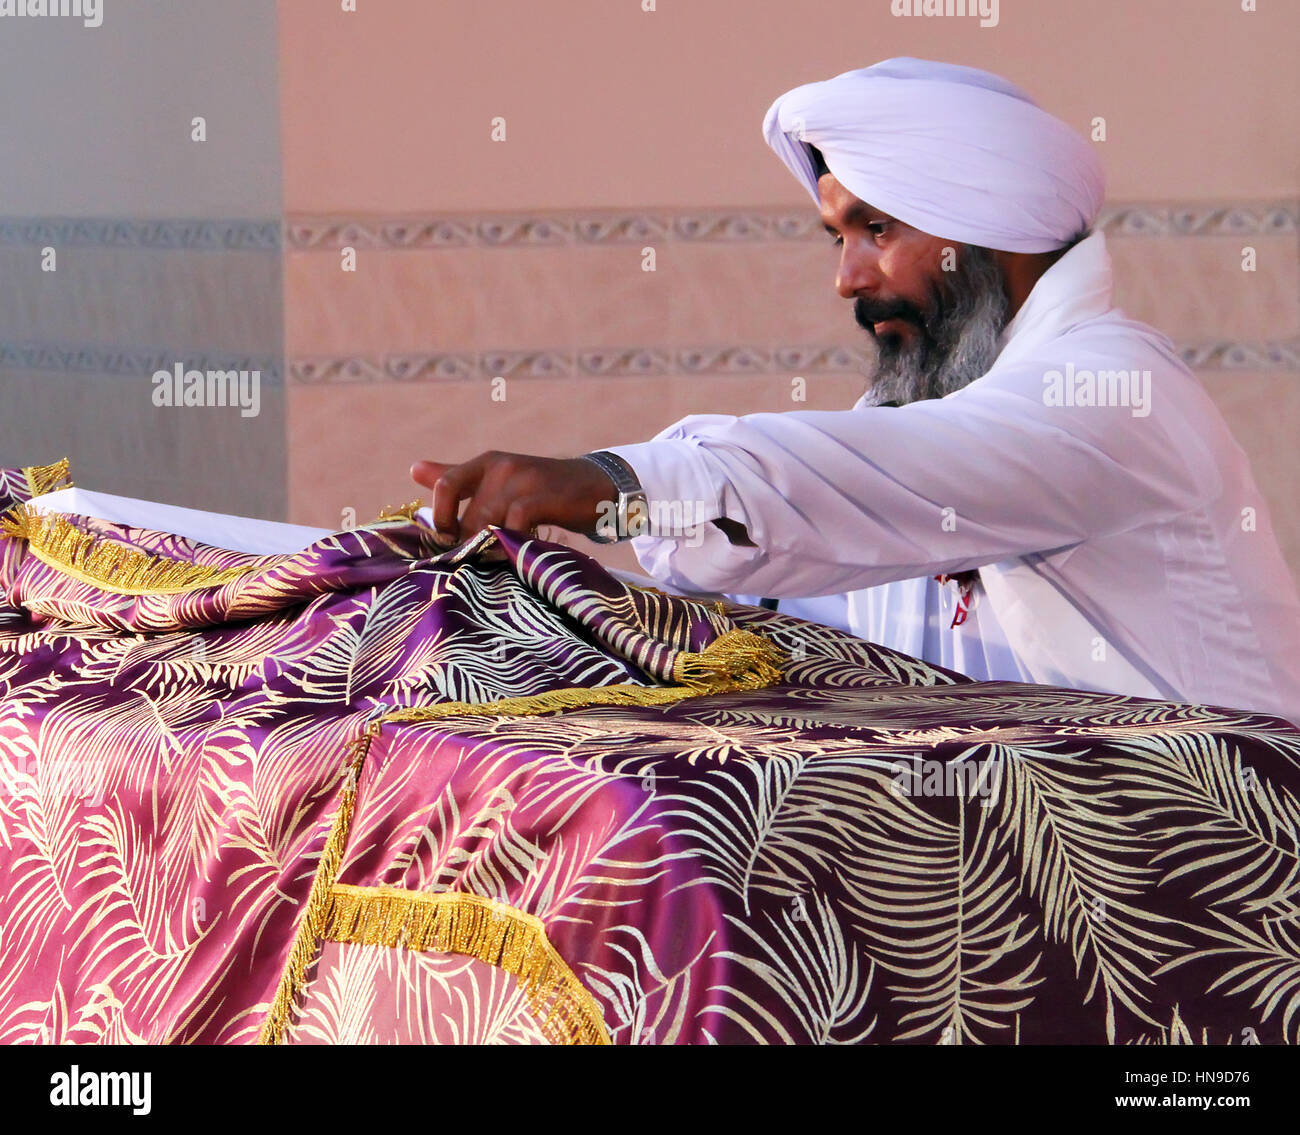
(810, 862)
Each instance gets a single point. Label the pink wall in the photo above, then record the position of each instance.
(645, 126)
(387, 109)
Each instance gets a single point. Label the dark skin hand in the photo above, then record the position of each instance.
(514, 490)
(882, 259)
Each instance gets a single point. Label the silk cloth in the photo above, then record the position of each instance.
(207, 782)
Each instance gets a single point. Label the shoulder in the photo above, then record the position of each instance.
(1120, 370)
(1116, 385)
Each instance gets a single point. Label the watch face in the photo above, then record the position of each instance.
(638, 517)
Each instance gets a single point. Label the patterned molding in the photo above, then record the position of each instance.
(113, 232)
(632, 362)
(1277, 218)
(1255, 219)
(308, 233)
(604, 362)
(127, 361)
(599, 362)
(391, 233)
(1224, 355)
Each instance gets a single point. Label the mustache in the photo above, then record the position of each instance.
(867, 312)
(958, 336)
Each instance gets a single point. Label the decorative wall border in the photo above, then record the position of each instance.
(639, 362)
(422, 233)
(744, 225)
(1225, 355)
(1276, 218)
(128, 361)
(149, 235)
(604, 362)
(596, 362)
(588, 227)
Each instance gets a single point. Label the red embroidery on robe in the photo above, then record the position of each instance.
(966, 580)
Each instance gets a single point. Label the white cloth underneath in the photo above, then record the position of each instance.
(218, 529)
(915, 616)
(237, 533)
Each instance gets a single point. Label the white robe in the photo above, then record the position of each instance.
(1117, 551)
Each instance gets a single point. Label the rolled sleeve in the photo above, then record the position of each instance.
(685, 485)
(687, 488)
(839, 500)
(680, 487)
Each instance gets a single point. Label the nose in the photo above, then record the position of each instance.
(859, 270)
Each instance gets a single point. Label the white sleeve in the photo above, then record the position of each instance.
(841, 500)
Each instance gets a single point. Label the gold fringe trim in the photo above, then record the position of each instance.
(311, 927)
(105, 564)
(460, 923)
(469, 924)
(42, 479)
(736, 660)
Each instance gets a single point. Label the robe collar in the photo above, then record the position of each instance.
(1078, 287)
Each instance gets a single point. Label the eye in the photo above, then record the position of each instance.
(837, 240)
(878, 228)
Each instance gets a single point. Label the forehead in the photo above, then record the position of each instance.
(839, 206)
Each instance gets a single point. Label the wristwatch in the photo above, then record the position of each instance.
(630, 512)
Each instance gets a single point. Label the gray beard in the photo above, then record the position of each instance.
(957, 342)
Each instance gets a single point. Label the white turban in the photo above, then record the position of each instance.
(958, 153)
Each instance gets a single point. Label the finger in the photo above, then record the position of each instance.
(426, 473)
(484, 509)
(453, 486)
(499, 484)
(522, 514)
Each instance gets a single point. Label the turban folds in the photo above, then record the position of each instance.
(956, 152)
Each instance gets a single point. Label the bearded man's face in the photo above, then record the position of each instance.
(933, 309)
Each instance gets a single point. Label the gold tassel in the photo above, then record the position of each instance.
(107, 564)
(400, 512)
(736, 660)
(311, 926)
(494, 933)
(42, 479)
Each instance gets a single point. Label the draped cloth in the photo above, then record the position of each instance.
(956, 152)
(376, 791)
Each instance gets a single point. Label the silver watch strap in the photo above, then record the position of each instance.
(618, 470)
(630, 496)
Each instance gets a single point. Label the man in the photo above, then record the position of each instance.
(1035, 488)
